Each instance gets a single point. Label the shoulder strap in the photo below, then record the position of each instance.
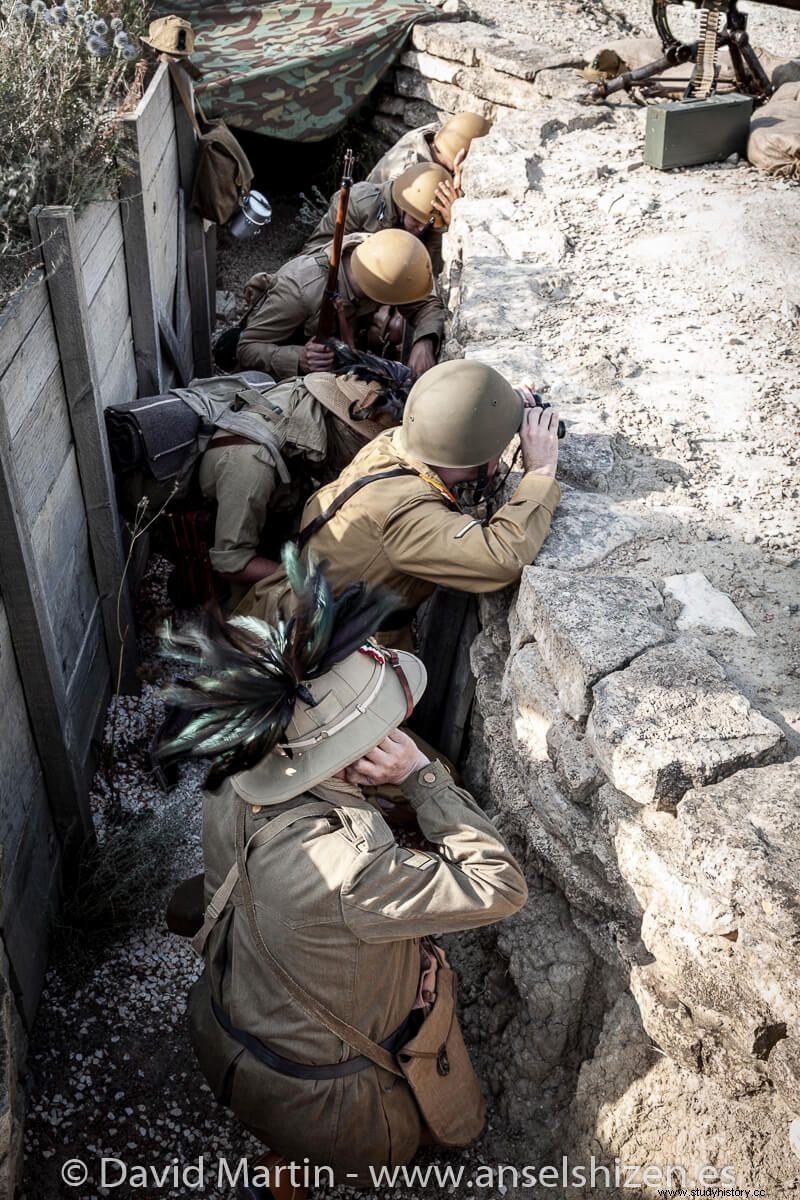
(266, 833)
(322, 518)
(312, 1007)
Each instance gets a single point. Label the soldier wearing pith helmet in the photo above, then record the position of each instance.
(316, 980)
(392, 517)
(388, 267)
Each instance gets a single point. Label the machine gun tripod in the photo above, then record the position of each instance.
(722, 25)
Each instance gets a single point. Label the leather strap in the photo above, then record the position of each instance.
(394, 661)
(312, 1007)
(231, 439)
(261, 836)
(322, 518)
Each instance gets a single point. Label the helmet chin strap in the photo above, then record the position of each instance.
(480, 483)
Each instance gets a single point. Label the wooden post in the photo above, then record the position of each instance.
(59, 245)
(141, 281)
(39, 661)
(201, 285)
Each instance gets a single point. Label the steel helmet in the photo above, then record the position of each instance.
(448, 144)
(392, 267)
(460, 414)
(472, 125)
(414, 191)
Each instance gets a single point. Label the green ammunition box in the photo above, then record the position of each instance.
(688, 132)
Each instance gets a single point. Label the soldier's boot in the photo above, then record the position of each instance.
(280, 1181)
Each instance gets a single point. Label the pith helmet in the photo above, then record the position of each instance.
(171, 35)
(459, 414)
(392, 267)
(357, 703)
(472, 125)
(448, 144)
(338, 392)
(414, 191)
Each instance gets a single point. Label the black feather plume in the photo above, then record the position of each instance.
(394, 379)
(251, 674)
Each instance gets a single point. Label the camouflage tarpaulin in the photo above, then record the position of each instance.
(294, 71)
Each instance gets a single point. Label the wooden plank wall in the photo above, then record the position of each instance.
(56, 671)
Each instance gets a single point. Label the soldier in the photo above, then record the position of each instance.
(391, 517)
(447, 145)
(414, 200)
(390, 267)
(324, 924)
(314, 434)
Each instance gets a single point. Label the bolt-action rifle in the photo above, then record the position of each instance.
(721, 24)
(328, 325)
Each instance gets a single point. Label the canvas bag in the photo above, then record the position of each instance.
(435, 1063)
(223, 174)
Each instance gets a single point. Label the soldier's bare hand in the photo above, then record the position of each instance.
(422, 357)
(538, 435)
(458, 167)
(391, 761)
(314, 357)
(527, 394)
(444, 198)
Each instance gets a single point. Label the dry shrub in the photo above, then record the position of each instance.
(65, 70)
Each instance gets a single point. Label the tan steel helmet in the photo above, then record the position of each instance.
(460, 414)
(471, 124)
(414, 191)
(392, 267)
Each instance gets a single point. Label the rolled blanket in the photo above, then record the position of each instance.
(151, 434)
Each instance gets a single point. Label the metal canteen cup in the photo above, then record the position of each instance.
(256, 212)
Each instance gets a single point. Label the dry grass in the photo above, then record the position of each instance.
(65, 70)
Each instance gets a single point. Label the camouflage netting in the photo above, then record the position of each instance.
(294, 71)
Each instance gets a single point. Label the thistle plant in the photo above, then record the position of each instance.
(65, 70)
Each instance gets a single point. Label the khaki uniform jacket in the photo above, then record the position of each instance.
(342, 907)
(243, 480)
(369, 210)
(403, 533)
(413, 147)
(289, 313)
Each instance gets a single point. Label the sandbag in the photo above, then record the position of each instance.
(774, 143)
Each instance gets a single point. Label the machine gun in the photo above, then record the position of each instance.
(721, 25)
(328, 316)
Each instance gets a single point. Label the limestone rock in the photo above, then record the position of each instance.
(637, 1105)
(498, 87)
(671, 721)
(704, 606)
(477, 45)
(587, 626)
(498, 297)
(445, 96)
(562, 83)
(496, 167)
(585, 529)
(429, 66)
(534, 703)
(585, 456)
(577, 770)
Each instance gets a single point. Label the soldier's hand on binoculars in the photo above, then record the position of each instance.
(314, 357)
(527, 393)
(391, 761)
(458, 167)
(538, 435)
(444, 198)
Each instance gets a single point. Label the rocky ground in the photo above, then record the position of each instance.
(661, 312)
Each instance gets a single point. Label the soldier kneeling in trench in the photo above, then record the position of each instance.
(392, 517)
(419, 199)
(322, 995)
(319, 423)
(391, 267)
(447, 145)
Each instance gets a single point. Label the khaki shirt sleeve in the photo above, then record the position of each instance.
(276, 319)
(456, 550)
(393, 892)
(426, 318)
